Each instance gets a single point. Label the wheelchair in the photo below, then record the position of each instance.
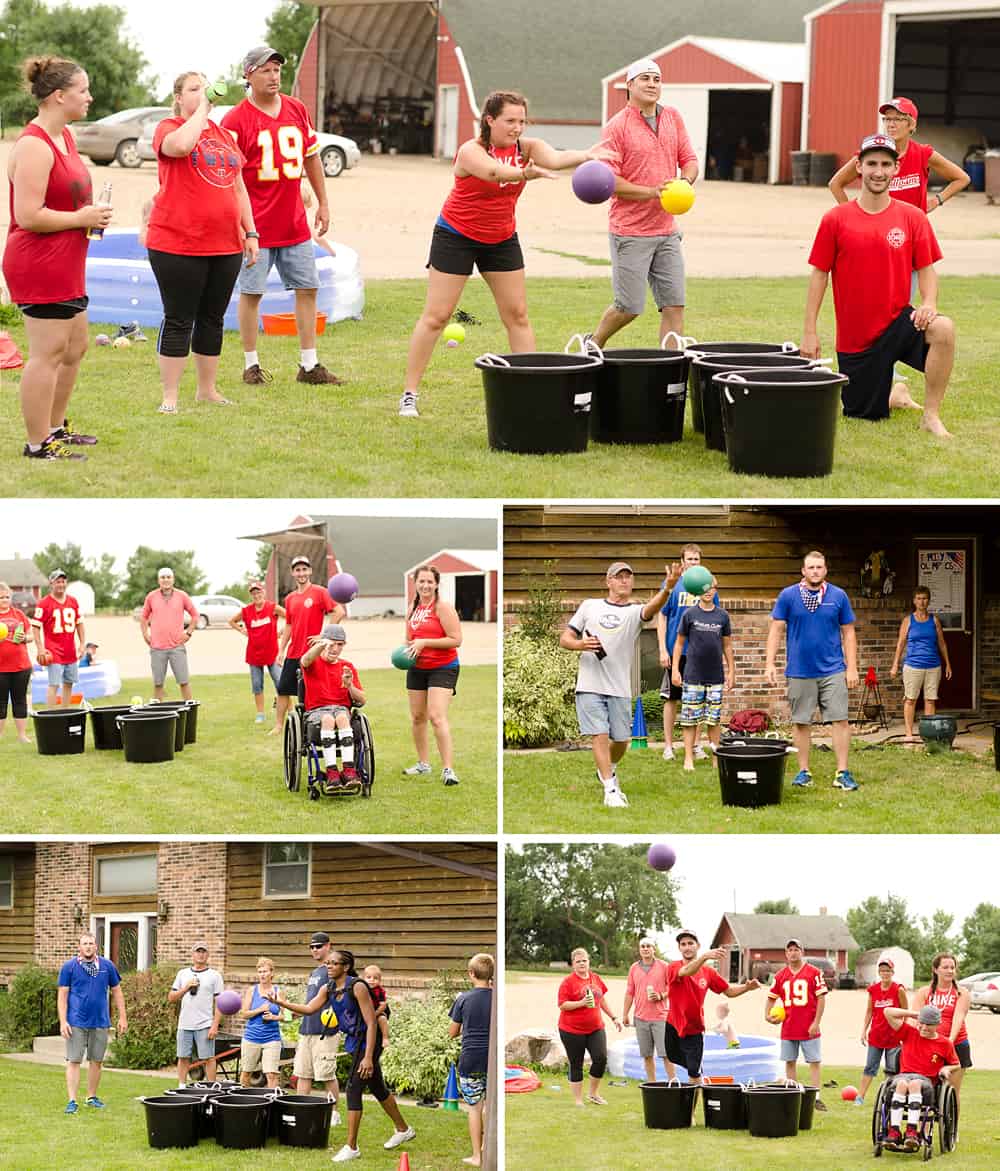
(300, 743)
(942, 1113)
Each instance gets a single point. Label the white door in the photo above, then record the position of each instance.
(447, 588)
(447, 117)
(691, 101)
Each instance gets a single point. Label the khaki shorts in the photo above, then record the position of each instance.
(316, 1057)
(265, 1057)
(828, 693)
(915, 678)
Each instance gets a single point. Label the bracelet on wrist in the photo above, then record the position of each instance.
(252, 235)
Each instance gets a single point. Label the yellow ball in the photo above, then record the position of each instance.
(120, 343)
(454, 332)
(777, 1013)
(136, 701)
(3, 631)
(329, 1018)
(677, 197)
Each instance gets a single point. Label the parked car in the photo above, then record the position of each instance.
(975, 978)
(986, 993)
(336, 152)
(216, 609)
(115, 138)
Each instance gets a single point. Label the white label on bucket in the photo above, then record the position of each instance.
(582, 399)
(675, 388)
(714, 1103)
(75, 729)
(289, 1118)
(750, 778)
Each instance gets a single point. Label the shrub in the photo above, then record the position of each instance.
(152, 1022)
(421, 1052)
(30, 1007)
(10, 315)
(541, 613)
(652, 706)
(539, 681)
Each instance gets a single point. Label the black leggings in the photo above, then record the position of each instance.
(576, 1044)
(375, 1085)
(14, 685)
(195, 291)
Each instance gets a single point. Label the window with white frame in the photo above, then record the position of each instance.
(287, 867)
(6, 884)
(125, 874)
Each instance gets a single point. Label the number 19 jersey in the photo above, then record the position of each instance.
(799, 992)
(275, 150)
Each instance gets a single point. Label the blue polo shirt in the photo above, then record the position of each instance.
(88, 995)
(814, 645)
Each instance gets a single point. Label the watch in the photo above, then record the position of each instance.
(252, 235)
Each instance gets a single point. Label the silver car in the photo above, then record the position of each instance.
(115, 138)
(216, 609)
(986, 992)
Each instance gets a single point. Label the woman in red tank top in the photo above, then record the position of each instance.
(477, 228)
(953, 1001)
(433, 636)
(45, 257)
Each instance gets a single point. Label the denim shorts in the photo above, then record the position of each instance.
(604, 715)
(257, 677)
(296, 265)
(638, 259)
(875, 1055)
(810, 1049)
(195, 1040)
(63, 673)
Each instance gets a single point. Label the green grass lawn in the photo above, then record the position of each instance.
(349, 441)
(546, 1131)
(901, 791)
(231, 781)
(35, 1135)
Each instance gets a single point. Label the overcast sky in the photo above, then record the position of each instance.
(735, 872)
(211, 527)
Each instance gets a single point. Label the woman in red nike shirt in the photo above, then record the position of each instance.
(946, 994)
(433, 636)
(44, 261)
(477, 227)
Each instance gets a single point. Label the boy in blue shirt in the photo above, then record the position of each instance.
(470, 1018)
(709, 667)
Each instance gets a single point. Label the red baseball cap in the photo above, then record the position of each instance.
(903, 105)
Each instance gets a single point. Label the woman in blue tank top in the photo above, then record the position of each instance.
(922, 648)
(261, 1047)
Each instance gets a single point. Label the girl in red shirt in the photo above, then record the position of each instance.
(200, 229)
(880, 1038)
(15, 666)
(44, 261)
(433, 636)
(477, 227)
(581, 1000)
(946, 994)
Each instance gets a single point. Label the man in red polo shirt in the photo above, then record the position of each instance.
(801, 990)
(306, 610)
(57, 620)
(688, 982)
(927, 1057)
(162, 625)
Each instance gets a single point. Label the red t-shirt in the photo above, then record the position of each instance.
(58, 621)
(274, 152)
(262, 634)
(872, 258)
(425, 623)
(305, 613)
(14, 656)
(580, 1020)
(910, 184)
(196, 212)
(880, 1033)
(324, 683)
(44, 267)
(924, 1055)
(482, 210)
(687, 996)
(946, 1001)
(799, 992)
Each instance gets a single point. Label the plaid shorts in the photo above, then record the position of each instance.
(701, 703)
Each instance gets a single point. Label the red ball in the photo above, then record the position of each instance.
(661, 856)
(45, 658)
(849, 1093)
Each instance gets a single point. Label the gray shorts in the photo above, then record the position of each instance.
(604, 715)
(915, 678)
(176, 658)
(810, 1050)
(638, 259)
(828, 693)
(296, 265)
(89, 1043)
(651, 1035)
(314, 718)
(63, 673)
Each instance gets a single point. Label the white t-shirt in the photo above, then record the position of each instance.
(617, 627)
(198, 1011)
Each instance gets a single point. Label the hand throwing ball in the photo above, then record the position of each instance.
(593, 182)
(343, 587)
(3, 631)
(660, 856)
(453, 332)
(102, 339)
(401, 658)
(229, 1002)
(697, 580)
(120, 343)
(849, 1093)
(777, 1013)
(329, 1018)
(677, 197)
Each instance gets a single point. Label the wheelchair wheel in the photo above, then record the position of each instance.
(879, 1116)
(292, 744)
(364, 752)
(947, 1118)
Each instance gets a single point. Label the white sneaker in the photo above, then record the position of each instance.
(399, 1137)
(334, 1117)
(346, 1154)
(448, 776)
(408, 405)
(420, 769)
(615, 798)
(668, 752)
(700, 753)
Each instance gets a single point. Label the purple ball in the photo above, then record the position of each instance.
(661, 856)
(593, 182)
(229, 1002)
(343, 587)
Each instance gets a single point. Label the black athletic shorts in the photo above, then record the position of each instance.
(866, 396)
(686, 1051)
(420, 678)
(456, 254)
(57, 310)
(668, 690)
(288, 680)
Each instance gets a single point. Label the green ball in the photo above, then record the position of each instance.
(401, 658)
(454, 332)
(697, 580)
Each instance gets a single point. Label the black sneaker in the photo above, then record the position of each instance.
(66, 434)
(52, 449)
(255, 376)
(133, 331)
(318, 375)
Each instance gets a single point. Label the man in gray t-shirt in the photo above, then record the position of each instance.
(604, 631)
(196, 988)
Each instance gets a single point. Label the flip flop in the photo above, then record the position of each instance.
(219, 402)
(166, 409)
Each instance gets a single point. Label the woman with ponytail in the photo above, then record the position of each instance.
(953, 1000)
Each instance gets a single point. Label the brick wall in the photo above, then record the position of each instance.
(192, 880)
(62, 883)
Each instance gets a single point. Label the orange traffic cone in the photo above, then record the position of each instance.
(404, 1162)
(10, 355)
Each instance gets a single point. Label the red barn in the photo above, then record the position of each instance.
(468, 582)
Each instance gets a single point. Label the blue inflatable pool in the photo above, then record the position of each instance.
(96, 682)
(121, 285)
(757, 1058)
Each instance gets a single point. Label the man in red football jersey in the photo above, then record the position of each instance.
(332, 689)
(306, 609)
(688, 982)
(279, 144)
(59, 637)
(801, 991)
(927, 1057)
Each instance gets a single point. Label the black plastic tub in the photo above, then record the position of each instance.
(667, 1105)
(938, 732)
(148, 736)
(705, 367)
(773, 1111)
(751, 775)
(781, 422)
(640, 397)
(261, 1094)
(241, 1122)
(172, 1120)
(538, 404)
(180, 728)
(60, 731)
(696, 349)
(724, 1107)
(104, 725)
(303, 1120)
(190, 708)
(808, 1108)
(204, 1097)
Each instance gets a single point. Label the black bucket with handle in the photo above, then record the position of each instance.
(172, 1120)
(241, 1121)
(751, 775)
(148, 736)
(60, 731)
(641, 395)
(190, 709)
(724, 1106)
(667, 1105)
(303, 1120)
(695, 349)
(704, 369)
(104, 725)
(180, 727)
(773, 1110)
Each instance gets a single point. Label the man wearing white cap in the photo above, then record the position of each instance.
(604, 632)
(649, 147)
(882, 1040)
(162, 626)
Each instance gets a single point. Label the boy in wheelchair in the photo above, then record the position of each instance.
(928, 1059)
(332, 688)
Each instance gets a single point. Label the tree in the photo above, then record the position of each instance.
(981, 935)
(776, 907)
(142, 568)
(68, 557)
(100, 573)
(934, 938)
(884, 923)
(288, 29)
(238, 589)
(264, 553)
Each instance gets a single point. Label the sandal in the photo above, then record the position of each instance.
(597, 1099)
(219, 402)
(166, 409)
